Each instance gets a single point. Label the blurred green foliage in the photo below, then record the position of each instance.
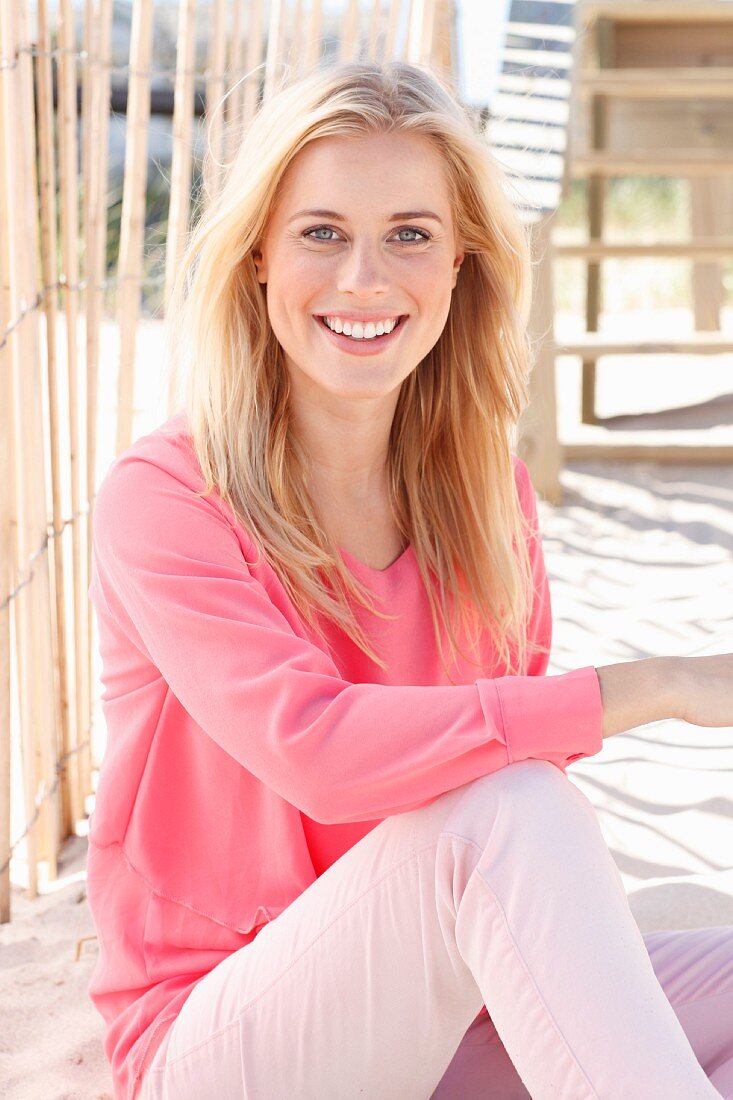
(639, 208)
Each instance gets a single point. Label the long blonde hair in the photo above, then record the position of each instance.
(450, 468)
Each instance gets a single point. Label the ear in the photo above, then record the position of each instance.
(259, 265)
(456, 266)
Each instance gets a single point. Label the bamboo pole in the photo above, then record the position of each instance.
(67, 123)
(315, 25)
(254, 58)
(444, 44)
(234, 88)
(133, 212)
(375, 21)
(413, 46)
(42, 683)
(393, 23)
(7, 484)
(349, 45)
(282, 33)
(183, 117)
(428, 30)
(49, 274)
(87, 425)
(95, 266)
(273, 41)
(182, 156)
(215, 88)
(295, 54)
(22, 549)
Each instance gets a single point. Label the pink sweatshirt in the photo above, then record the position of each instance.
(242, 759)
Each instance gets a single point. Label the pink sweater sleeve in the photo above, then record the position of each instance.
(171, 571)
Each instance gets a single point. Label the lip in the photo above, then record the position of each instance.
(359, 347)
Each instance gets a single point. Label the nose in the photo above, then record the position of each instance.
(363, 272)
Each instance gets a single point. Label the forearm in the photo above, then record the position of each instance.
(636, 692)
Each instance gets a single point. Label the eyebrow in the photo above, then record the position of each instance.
(400, 216)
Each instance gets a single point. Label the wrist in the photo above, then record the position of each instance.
(634, 693)
(671, 679)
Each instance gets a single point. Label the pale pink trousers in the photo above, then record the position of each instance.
(500, 893)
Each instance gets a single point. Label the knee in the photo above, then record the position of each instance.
(527, 791)
(522, 781)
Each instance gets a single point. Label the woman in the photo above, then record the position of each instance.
(311, 868)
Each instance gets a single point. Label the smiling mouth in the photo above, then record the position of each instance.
(363, 341)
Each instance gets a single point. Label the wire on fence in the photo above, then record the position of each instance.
(82, 284)
(41, 550)
(60, 768)
(119, 70)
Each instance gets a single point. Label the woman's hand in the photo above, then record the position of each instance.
(705, 690)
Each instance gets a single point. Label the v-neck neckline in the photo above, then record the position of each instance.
(370, 571)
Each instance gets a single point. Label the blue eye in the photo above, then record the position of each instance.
(318, 229)
(423, 234)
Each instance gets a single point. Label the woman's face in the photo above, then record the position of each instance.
(378, 244)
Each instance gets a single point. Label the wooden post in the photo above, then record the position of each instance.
(711, 205)
(597, 186)
(537, 440)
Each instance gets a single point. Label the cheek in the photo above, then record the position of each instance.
(296, 285)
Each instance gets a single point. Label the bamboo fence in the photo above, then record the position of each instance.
(56, 65)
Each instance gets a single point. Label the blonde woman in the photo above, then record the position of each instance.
(335, 853)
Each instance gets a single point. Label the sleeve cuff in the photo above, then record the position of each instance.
(555, 718)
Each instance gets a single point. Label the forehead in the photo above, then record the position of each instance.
(387, 171)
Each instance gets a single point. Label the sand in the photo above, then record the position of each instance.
(640, 560)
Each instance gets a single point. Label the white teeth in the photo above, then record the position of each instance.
(357, 331)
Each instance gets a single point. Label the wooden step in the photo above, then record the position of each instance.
(683, 11)
(668, 83)
(591, 345)
(698, 249)
(652, 162)
(648, 446)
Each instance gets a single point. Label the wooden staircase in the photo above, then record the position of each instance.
(649, 92)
